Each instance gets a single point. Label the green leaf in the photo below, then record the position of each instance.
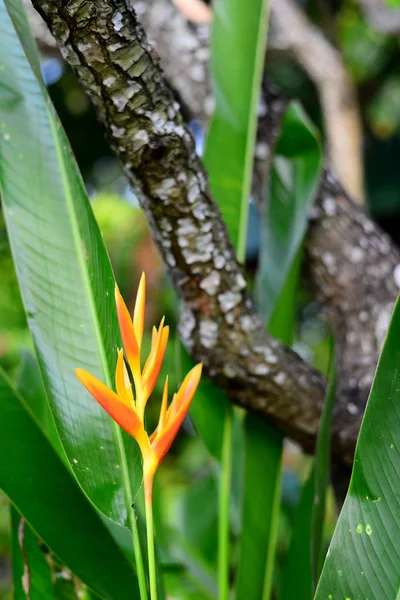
(280, 258)
(302, 566)
(30, 386)
(37, 573)
(263, 457)
(238, 42)
(30, 569)
(283, 320)
(294, 182)
(296, 579)
(201, 575)
(322, 467)
(363, 560)
(65, 276)
(47, 495)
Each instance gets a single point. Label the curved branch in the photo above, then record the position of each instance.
(367, 290)
(107, 47)
(292, 31)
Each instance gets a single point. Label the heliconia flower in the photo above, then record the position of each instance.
(128, 408)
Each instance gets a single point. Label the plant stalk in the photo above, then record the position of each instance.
(224, 497)
(148, 498)
(138, 557)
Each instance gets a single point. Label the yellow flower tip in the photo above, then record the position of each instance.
(139, 311)
(153, 364)
(163, 437)
(190, 382)
(164, 403)
(122, 382)
(81, 375)
(128, 334)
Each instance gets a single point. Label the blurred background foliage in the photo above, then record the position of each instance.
(373, 61)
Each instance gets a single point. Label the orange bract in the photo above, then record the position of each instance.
(128, 409)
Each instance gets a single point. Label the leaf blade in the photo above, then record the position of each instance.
(65, 276)
(71, 528)
(294, 179)
(237, 58)
(364, 555)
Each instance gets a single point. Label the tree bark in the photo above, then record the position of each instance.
(119, 69)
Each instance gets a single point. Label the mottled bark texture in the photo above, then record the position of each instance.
(355, 270)
(356, 298)
(120, 71)
(107, 47)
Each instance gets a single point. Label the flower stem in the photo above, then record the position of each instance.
(223, 516)
(138, 557)
(137, 550)
(148, 498)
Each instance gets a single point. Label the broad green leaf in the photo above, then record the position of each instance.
(203, 577)
(65, 276)
(302, 565)
(36, 572)
(30, 386)
(47, 495)
(238, 42)
(237, 58)
(294, 181)
(263, 457)
(283, 320)
(282, 230)
(363, 559)
(322, 467)
(296, 579)
(32, 578)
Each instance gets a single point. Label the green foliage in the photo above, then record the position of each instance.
(67, 287)
(296, 579)
(294, 182)
(30, 386)
(392, 3)
(365, 50)
(304, 557)
(384, 109)
(238, 42)
(45, 492)
(322, 465)
(363, 560)
(263, 456)
(65, 277)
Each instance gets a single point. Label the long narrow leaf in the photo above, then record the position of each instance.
(294, 181)
(283, 227)
(302, 565)
(322, 468)
(296, 580)
(64, 273)
(363, 560)
(30, 386)
(238, 42)
(47, 495)
(263, 453)
(32, 578)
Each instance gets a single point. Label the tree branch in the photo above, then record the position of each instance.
(381, 16)
(355, 269)
(107, 47)
(366, 292)
(292, 31)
